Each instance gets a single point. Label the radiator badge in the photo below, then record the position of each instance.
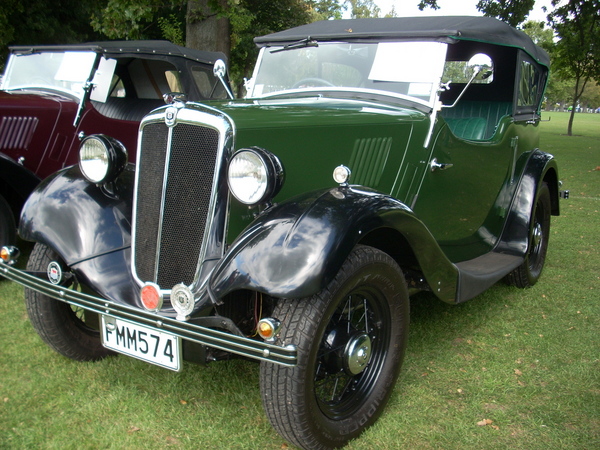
(54, 272)
(171, 117)
(182, 300)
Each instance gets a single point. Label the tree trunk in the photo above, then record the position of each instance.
(570, 126)
(577, 95)
(205, 30)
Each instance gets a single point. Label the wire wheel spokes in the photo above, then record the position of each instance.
(351, 353)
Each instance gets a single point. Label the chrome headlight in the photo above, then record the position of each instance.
(101, 158)
(254, 176)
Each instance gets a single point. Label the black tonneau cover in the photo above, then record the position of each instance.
(149, 47)
(439, 28)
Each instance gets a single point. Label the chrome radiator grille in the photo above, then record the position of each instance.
(172, 205)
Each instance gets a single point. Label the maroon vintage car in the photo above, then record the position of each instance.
(52, 96)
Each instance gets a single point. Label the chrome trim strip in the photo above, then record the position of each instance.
(285, 356)
(162, 206)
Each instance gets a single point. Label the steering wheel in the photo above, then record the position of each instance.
(313, 81)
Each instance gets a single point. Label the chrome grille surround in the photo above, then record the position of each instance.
(179, 182)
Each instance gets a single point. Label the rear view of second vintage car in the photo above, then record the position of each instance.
(372, 159)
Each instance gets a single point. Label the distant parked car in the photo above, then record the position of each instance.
(374, 158)
(52, 96)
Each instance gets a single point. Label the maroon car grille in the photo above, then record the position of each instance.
(172, 210)
(16, 132)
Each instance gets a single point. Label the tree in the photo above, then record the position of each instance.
(139, 19)
(428, 4)
(539, 34)
(45, 22)
(360, 9)
(513, 12)
(577, 52)
(207, 26)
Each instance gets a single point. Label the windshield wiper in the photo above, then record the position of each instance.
(308, 42)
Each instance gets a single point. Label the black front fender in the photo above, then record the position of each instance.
(78, 219)
(295, 249)
(88, 227)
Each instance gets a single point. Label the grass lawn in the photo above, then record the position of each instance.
(510, 369)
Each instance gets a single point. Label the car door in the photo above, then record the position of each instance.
(463, 197)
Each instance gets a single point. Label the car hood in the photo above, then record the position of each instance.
(314, 111)
(313, 136)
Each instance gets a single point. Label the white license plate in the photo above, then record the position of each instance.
(156, 347)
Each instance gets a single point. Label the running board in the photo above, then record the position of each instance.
(477, 275)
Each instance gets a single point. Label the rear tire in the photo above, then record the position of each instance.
(350, 339)
(64, 328)
(528, 273)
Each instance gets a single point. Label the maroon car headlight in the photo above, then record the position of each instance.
(254, 175)
(101, 158)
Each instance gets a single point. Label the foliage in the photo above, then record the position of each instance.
(139, 19)
(539, 34)
(428, 4)
(360, 9)
(577, 52)
(44, 22)
(324, 9)
(513, 12)
(172, 29)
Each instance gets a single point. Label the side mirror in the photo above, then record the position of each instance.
(219, 71)
(482, 67)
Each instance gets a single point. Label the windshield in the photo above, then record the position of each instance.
(405, 70)
(58, 71)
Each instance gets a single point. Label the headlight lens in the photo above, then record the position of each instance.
(101, 158)
(254, 176)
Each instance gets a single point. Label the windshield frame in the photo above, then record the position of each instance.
(378, 65)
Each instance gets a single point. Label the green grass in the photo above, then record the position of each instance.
(526, 360)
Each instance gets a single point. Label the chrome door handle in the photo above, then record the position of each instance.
(436, 165)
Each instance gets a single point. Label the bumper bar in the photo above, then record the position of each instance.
(221, 340)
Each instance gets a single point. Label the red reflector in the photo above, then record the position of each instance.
(151, 297)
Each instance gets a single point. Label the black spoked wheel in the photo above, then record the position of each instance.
(530, 271)
(70, 331)
(350, 340)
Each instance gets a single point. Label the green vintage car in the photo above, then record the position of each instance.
(371, 159)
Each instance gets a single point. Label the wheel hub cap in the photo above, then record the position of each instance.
(357, 354)
(537, 234)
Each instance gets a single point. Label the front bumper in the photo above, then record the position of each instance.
(217, 339)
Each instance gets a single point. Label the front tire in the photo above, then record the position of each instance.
(65, 329)
(528, 273)
(350, 339)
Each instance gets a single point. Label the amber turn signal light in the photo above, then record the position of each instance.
(268, 328)
(9, 254)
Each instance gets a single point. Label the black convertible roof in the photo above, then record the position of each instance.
(159, 48)
(439, 28)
